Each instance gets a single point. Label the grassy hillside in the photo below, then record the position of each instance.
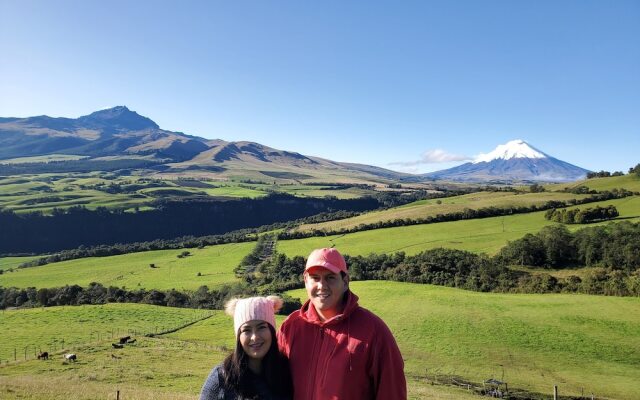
(43, 192)
(46, 329)
(630, 182)
(486, 235)
(13, 262)
(537, 341)
(433, 207)
(530, 341)
(214, 263)
(172, 366)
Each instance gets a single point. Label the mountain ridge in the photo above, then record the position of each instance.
(119, 131)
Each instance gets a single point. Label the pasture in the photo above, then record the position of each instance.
(214, 263)
(44, 192)
(13, 262)
(486, 235)
(530, 341)
(447, 205)
(55, 328)
(630, 182)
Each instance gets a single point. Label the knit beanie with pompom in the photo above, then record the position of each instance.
(253, 308)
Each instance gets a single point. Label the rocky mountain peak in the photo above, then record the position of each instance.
(118, 118)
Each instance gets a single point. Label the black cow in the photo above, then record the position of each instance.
(124, 339)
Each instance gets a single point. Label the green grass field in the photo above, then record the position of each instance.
(448, 205)
(172, 366)
(573, 341)
(530, 341)
(30, 330)
(215, 263)
(630, 182)
(485, 235)
(13, 262)
(43, 192)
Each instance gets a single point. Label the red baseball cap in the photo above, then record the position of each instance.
(328, 258)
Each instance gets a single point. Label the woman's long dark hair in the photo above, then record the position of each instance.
(275, 370)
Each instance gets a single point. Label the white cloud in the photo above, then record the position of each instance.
(436, 156)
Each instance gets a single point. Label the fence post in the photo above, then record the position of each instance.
(118, 395)
(555, 392)
(15, 354)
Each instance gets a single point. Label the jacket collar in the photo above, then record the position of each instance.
(309, 313)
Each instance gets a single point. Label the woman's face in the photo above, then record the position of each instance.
(255, 338)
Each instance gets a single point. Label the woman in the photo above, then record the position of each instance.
(256, 369)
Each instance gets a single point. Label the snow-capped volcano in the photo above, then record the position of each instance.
(515, 161)
(513, 149)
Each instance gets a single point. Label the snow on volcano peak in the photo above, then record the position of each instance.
(513, 149)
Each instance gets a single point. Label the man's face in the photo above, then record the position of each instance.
(325, 289)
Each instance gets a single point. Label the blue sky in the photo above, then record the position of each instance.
(393, 84)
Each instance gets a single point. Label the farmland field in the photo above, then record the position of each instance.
(536, 341)
(630, 182)
(486, 235)
(448, 205)
(47, 328)
(214, 263)
(530, 341)
(44, 192)
(13, 262)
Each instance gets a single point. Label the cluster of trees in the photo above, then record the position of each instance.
(615, 246)
(635, 170)
(96, 293)
(603, 174)
(453, 268)
(613, 249)
(67, 229)
(578, 216)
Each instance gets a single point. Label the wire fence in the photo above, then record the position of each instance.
(57, 345)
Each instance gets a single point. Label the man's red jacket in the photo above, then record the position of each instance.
(350, 356)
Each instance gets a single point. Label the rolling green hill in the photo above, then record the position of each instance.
(630, 182)
(433, 207)
(530, 341)
(486, 235)
(214, 263)
(537, 341)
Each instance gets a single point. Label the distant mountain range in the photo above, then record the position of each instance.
(119, 133)
(515, 161)
(122, 133)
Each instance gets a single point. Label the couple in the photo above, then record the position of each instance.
(329, 349)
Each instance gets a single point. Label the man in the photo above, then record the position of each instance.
(337, 349)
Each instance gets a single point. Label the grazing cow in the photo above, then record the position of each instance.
(131, 341)
(43, 355)
(124, 339)
(70, 357)
(117, 346)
